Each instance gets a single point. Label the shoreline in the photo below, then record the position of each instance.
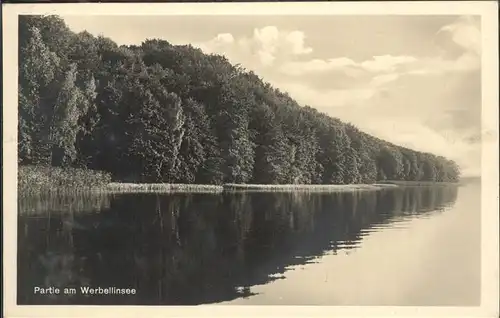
(34, 180)
(304, 187)
(119, 187)
(123, 187)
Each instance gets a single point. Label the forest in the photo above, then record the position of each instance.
(158, 112)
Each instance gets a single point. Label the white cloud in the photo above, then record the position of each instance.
(423, 71)
(466, 62)
(267, 44)
(462, 38)
(297, 42)
(465, 33)
(325, 100)
(384, 79)
(316, 66)
(266, 58)
(267, 36)
(384, 63)
(225, 38)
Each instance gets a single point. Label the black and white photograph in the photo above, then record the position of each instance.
(168, 156)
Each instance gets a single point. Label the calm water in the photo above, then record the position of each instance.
(413, 246)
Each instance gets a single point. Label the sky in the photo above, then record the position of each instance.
(412, 80)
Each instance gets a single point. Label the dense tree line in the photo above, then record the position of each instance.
(164, 113)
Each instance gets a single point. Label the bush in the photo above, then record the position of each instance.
(47, 178)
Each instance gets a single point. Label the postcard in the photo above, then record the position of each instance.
(236, 159)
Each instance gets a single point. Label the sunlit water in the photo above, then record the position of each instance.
(413, 246)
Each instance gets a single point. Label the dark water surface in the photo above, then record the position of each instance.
(407, 246)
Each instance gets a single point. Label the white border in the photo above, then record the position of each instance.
(490, 248)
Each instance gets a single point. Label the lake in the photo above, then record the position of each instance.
(417, 246)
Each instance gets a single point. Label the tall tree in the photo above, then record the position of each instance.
(390, 162)
(38, 72)
(272, 157)
(232, 122)
(157, 132)
(193, 151)
(64, 122)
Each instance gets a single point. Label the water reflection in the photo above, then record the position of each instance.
(186, 249)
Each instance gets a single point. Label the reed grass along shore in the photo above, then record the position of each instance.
(303, 187)
(49, 179)
(161, 187)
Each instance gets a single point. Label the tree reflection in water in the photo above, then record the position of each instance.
(185, 249)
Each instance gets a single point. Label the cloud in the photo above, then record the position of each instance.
(225, 38)
(272, 47)
(297, 39)
(460, 44)
(384, 79)
(316, 66)
(218, 44)
(325, 100)
(267, 44)
(465, 33)
(386, 63)
(464, 63)
(383, 63)
(270, 43)
(423, 71)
